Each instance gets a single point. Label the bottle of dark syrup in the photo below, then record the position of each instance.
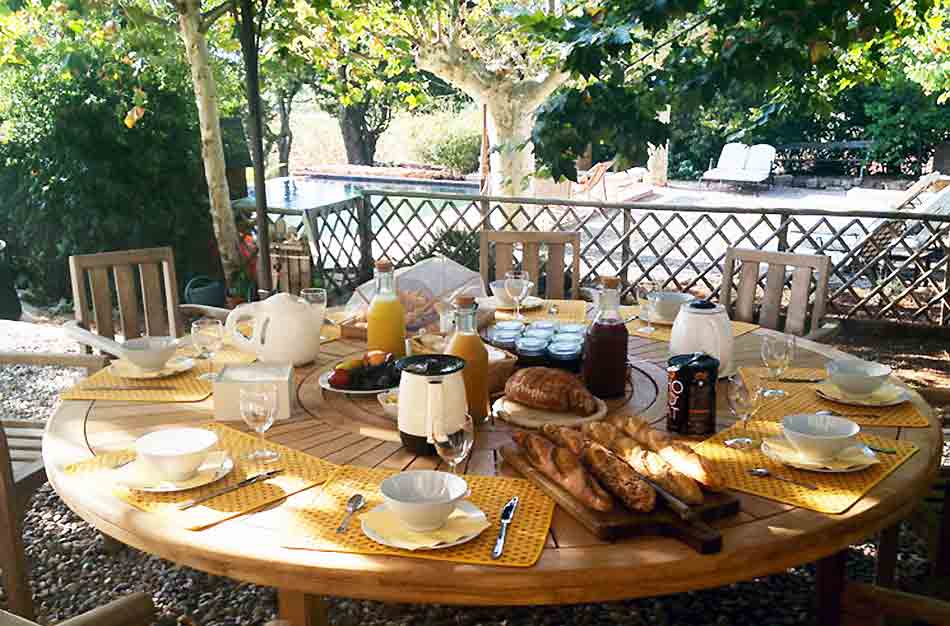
(604, 369)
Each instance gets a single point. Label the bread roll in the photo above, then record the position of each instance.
(550, 389)
(619, 478)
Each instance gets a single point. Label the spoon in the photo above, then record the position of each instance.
(762, 472)
(354, 504)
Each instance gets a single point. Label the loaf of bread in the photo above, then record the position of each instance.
(645, 462)
(565, 437)
(619, 478)
(565, 469)
(550, 389)
(680, 456)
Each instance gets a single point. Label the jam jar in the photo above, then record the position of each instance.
(531, 352)
(545, 334)
(565, 355)
(544, 325)
(504, 339)
(508, 325)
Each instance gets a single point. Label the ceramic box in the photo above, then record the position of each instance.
(233, 378)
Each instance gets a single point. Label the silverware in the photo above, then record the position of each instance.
(800, 380)
(354, 504)
(220, 492)
(762, 472)
(552, 310)
(128, 388)
(507, 514)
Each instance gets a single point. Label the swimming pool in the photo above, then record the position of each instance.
(310, 192)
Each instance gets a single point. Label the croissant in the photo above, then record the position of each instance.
(551, 390)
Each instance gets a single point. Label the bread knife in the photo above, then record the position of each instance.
(684, 510)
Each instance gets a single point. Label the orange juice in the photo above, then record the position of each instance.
(386, 317)
(466, 344)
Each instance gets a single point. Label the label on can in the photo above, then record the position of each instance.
(691, 385)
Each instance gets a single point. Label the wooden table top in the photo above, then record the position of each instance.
(765, 538)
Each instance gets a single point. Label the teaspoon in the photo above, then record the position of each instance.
(762, 472)
(354, 504)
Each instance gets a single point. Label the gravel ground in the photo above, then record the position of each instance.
(72, 572)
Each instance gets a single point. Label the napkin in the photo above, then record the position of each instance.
(138, 475)
(459, 525)
(884, 394)
(852, 456)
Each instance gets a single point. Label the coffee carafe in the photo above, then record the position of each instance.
(431, 387)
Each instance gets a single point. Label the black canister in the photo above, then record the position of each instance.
(692, 394)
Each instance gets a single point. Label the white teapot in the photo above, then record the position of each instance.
(285, 330)
(702, 326)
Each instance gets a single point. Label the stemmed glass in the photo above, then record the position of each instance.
(208, 337)
(644, 289)
(316, 297)
(744, 404)
(258, 409)
(453, 446)
(777, 354)
(516, 286)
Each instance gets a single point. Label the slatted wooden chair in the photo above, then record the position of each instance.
(132, 610)
(21, 474)
(797, 318)
(128, 273)
(503, 243)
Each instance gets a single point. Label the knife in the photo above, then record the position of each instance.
(507, 514)
(220, 492)
(801, 380)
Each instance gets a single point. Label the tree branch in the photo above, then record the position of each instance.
(137, 13)
(210, 16)
(537, 91)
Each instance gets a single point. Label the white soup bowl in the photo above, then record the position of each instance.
(423, 499)
(175, 453)
(150, 353)
(857, 377)
(819, 437)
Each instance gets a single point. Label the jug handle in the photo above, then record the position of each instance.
(433, 404)
(240, 312)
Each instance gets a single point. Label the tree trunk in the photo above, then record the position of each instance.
(285, 140)
(212, 146)
(512, 166)
(360, 144)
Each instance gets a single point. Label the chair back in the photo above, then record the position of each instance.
(98, 280)
(760, 158)
(12, 557)
(733, 156)
(809, 274)
(503, 242)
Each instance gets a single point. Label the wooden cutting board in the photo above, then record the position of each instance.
(621, 523)
(527, 417)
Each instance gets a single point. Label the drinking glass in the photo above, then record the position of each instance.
(258, 409)
(777, 354)
(208, 337)
(516, 286)
(644, 289)
(454, 446)
(744, 403)
(317, 299)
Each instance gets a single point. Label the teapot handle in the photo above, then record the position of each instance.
(240, 312)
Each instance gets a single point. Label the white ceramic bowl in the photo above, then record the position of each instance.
(819, 437)
(423, 499)
(666, 304)
(150, 353)
(389, 400)
(857, 377)
(175, 453)
(498, 290)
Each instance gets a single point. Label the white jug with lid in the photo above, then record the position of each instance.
(703, 326)
(284, 329)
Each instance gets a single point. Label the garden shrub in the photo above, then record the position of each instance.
(459, 150)
(100, 147)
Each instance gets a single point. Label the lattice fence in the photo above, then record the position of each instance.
(887, 265)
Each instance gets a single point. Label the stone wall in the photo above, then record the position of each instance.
(842, 182)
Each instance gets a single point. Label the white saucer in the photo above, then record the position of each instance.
(213, 470)
(492, 302)
(887, 394)
(777, 454)
(127, 369)
(465, 505)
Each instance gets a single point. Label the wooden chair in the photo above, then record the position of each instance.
(504, 241)
(133, 610)
(867, 605)
(159, 308)
(21, 474)
(797, 320)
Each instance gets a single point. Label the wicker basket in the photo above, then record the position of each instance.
(499, 371)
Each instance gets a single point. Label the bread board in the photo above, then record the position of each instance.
(622, 522)
(528, 417)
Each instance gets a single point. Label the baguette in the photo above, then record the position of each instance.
(680, 456)
(565, 469)
(619, 478)
(646, 463)
(565, 437)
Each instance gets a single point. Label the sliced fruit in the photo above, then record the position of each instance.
(340, 379)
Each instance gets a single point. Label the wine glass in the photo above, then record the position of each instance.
(258, 409)
(516, 286)
(644, 289)
(744, 404)
(208, 337)
(453, 446)
(316, 297)
(777, 354)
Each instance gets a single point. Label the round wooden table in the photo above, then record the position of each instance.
(765, 538)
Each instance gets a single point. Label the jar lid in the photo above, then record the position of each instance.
(545, 324)
(514, 325)
(531, 346)
(464, 300)
(565, 349)
(571, 336)
(541, 333)
(384, 265)
(504, 337)
(702, 305)
(579, 329)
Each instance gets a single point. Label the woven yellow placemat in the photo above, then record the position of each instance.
(315, 523)
(567, 311)
(301, 471)
(663, 332)
(836, 493)
(801, 398)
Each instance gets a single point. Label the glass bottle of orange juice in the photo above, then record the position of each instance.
(467, 344)
(386, 317)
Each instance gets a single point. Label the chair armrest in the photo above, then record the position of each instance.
(864, 599)
(200, 310)
(92, 362)
(132, 610)
(826, 332)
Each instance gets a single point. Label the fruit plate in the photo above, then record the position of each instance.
(325, 383)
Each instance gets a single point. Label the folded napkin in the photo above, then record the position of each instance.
(460, 524)
(783, 450)
(885, 394)
(138, 475)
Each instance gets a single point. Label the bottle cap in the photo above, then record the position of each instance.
(464, 301)
(610, 282)
(384, 265)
